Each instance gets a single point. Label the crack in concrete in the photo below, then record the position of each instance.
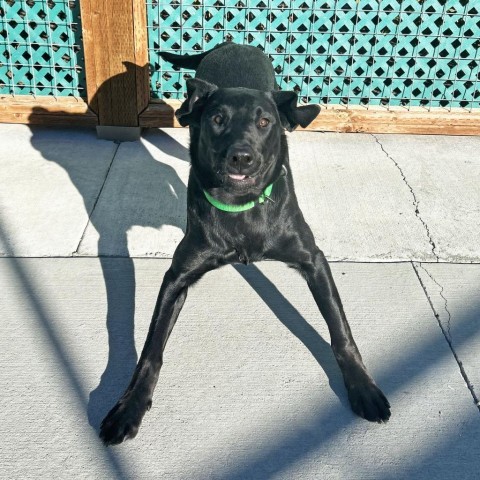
(449, 320)
(415, 202)
(75, 253)
(446, 332)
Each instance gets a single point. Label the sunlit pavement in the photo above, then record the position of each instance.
(249, 388)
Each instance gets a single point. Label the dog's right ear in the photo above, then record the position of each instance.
(191, 109)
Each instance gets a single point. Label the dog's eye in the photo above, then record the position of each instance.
(263, 122)
(218, 119)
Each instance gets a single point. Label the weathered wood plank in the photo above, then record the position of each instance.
(160, 113)
(397, 120)
(46, 110)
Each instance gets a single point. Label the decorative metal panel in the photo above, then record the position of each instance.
(358, 52)
(40, 48)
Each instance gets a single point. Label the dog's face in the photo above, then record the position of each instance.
(236, 136)
(239, 140)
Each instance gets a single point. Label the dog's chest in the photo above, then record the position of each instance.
(247, 255)
(247, 241)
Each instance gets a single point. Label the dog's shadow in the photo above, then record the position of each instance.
(296, 324)
(119, 275)
(113, 215)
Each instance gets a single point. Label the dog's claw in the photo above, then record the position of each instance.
(368, 401)
(121, 423)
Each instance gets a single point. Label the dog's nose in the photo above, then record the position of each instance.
(240, 158)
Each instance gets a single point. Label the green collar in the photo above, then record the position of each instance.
(239, 208)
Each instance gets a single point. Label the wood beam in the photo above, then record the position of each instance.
(335, 118)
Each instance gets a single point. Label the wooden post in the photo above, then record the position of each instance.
(116, 63)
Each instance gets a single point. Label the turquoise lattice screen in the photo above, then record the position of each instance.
(357, 52)
(40, 48)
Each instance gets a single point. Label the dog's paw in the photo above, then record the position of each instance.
(368, 401)
(123, 421)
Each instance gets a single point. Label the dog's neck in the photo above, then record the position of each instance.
(225, 207)
(264, 196)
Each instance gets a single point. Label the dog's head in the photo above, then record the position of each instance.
(237, 136)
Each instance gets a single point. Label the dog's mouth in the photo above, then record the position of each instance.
(237, 177)
(240, 180)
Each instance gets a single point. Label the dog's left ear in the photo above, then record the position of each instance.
(291, 114)
(197, 92)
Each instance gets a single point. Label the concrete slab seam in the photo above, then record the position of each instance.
(75, 253)
(446, 331)
(416, 202)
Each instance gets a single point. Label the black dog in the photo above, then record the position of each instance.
(241, 208)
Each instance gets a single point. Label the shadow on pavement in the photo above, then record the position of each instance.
(454, 455)
(293, 320)
(71, 374)
(139, 175)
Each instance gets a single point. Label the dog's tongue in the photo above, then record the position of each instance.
(236, 177)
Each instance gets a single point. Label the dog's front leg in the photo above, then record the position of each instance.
(366, 399)
(123, 421)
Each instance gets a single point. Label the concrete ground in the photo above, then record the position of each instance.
(249, 389)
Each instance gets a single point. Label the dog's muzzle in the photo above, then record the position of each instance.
(241, 162)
